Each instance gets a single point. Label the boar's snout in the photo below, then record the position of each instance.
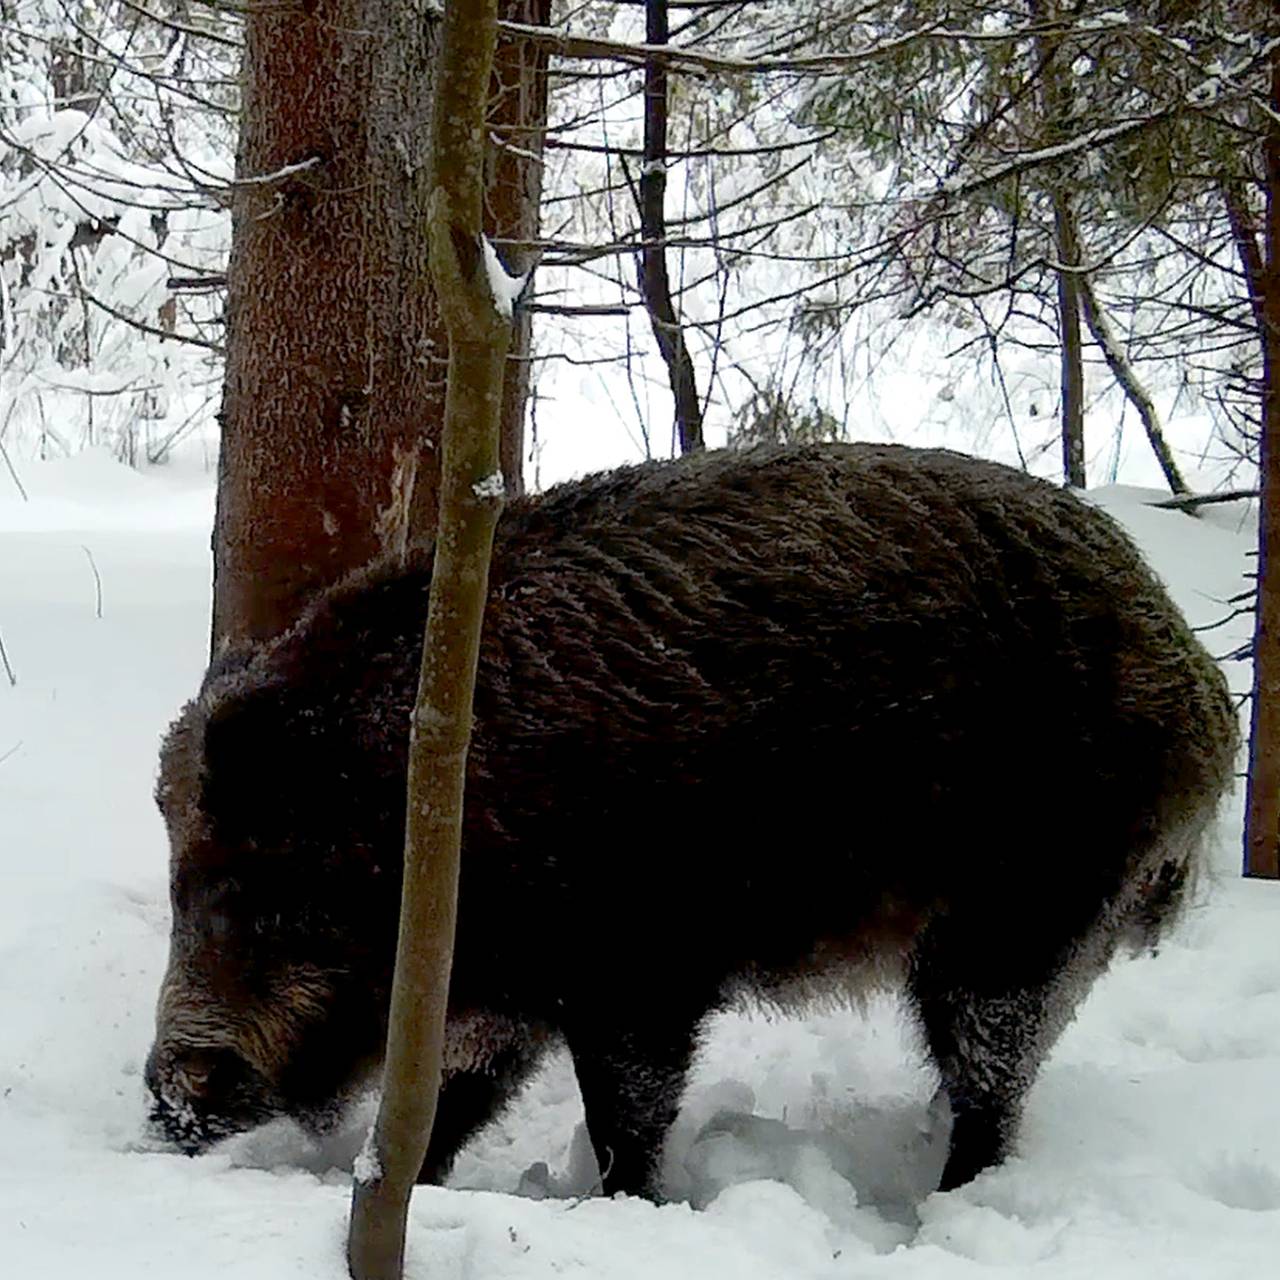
(203, 1093)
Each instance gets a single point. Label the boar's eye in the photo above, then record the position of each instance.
(271, 922)
(215, 907)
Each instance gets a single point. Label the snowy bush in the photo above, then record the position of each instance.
(116, 143)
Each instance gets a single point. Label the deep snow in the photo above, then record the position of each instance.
(1151, 1145)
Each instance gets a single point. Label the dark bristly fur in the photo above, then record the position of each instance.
(783, 723)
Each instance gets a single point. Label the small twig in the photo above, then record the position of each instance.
(1238, 598)
(218, 281)
(97, 579)
(1192, 501)
(4, 657)
(1241, 612)
(189, 339)
(163, 20)
(692, 153)
(13, 750)
(4, 453)
(592, 309)
(277, 175)
(597, 1187)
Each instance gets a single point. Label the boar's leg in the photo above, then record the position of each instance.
(989, 1016)
(468, 1101)
(631, 1074)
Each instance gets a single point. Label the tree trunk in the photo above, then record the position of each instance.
(1262, 809)
(1244, 235)
(1125, 374)
(655, 281)
(471, 497)
(1055, 97)
(335, 361)
(1069, 336)
(513, 199)
(335, 380)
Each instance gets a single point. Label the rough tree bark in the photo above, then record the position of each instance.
(334, 390)
(479, 330)
(335, 353)
(1262, 806)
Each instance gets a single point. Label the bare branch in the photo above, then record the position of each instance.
(1194, 501)
(555, 309)
(1124, 374)
(4, 658)
(154, 330)
(685, 58)
(163, 20)
(97, 581)
(4, 453)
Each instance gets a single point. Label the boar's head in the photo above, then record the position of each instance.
(285, 826)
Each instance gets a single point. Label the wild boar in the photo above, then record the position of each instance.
(754, 725)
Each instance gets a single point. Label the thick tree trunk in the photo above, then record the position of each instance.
(1262, 811)
(335, 365)
(335, 381)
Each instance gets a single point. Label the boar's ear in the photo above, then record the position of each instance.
(257, 754)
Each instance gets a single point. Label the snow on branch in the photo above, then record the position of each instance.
(1217, 89)
(276, 175)
(684, 58)
(506, 289)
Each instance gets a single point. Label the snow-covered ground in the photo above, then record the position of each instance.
(1151, 1146)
